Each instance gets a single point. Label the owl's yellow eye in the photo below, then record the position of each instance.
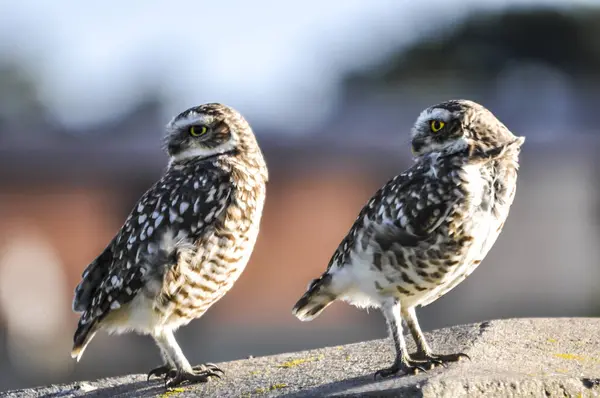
(197, 131)
(436, 125)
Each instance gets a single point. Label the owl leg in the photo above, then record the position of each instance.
(423, 351)
(183, 371)
(402, 363)
(168, 363)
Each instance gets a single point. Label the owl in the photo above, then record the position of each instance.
(426, 229)
(185, 242)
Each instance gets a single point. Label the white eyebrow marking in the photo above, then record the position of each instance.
(189, 120)
(431, 114)
(441, 114)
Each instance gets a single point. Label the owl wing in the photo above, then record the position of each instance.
(181, 207)
(409, 212)
(405, 211)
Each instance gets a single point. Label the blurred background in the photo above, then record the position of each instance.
(331, 89)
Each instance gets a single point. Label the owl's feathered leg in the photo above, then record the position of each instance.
(403, 362)
(423, 351)
(168, 365)
(181, 371)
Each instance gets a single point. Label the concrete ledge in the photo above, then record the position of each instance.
(515, 357)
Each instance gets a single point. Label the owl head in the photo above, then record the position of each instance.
(456, 125)
(206, 131)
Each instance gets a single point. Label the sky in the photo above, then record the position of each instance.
(94, 60)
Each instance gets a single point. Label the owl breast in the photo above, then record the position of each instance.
(477, 223)
(202, 277)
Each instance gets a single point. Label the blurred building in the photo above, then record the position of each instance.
(64, 194)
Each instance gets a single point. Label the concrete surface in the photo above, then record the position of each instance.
(515, 357)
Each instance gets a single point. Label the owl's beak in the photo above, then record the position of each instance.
(174, 147)
(416, 146)
(520, 141)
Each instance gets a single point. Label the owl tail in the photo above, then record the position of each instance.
(315, 300)
(83, 335)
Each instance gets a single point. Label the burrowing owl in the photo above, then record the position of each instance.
(185, 242)
(428, 228)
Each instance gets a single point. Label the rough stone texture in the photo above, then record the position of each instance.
(515, 357)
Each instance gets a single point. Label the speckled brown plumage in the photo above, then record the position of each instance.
(185, 242)
(428, 228)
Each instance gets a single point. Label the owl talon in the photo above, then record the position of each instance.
(160, 371)
(208, 366)
(174, 377)
(433, 363)
(441, 359)
(407, 366)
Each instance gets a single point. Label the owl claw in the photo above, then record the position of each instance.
(440, 359)
(420, 362)
(176, 377)
(208, 366)
(406, 365)
(160, 371)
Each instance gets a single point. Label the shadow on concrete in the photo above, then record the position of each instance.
(343, 387)
(143, 388)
